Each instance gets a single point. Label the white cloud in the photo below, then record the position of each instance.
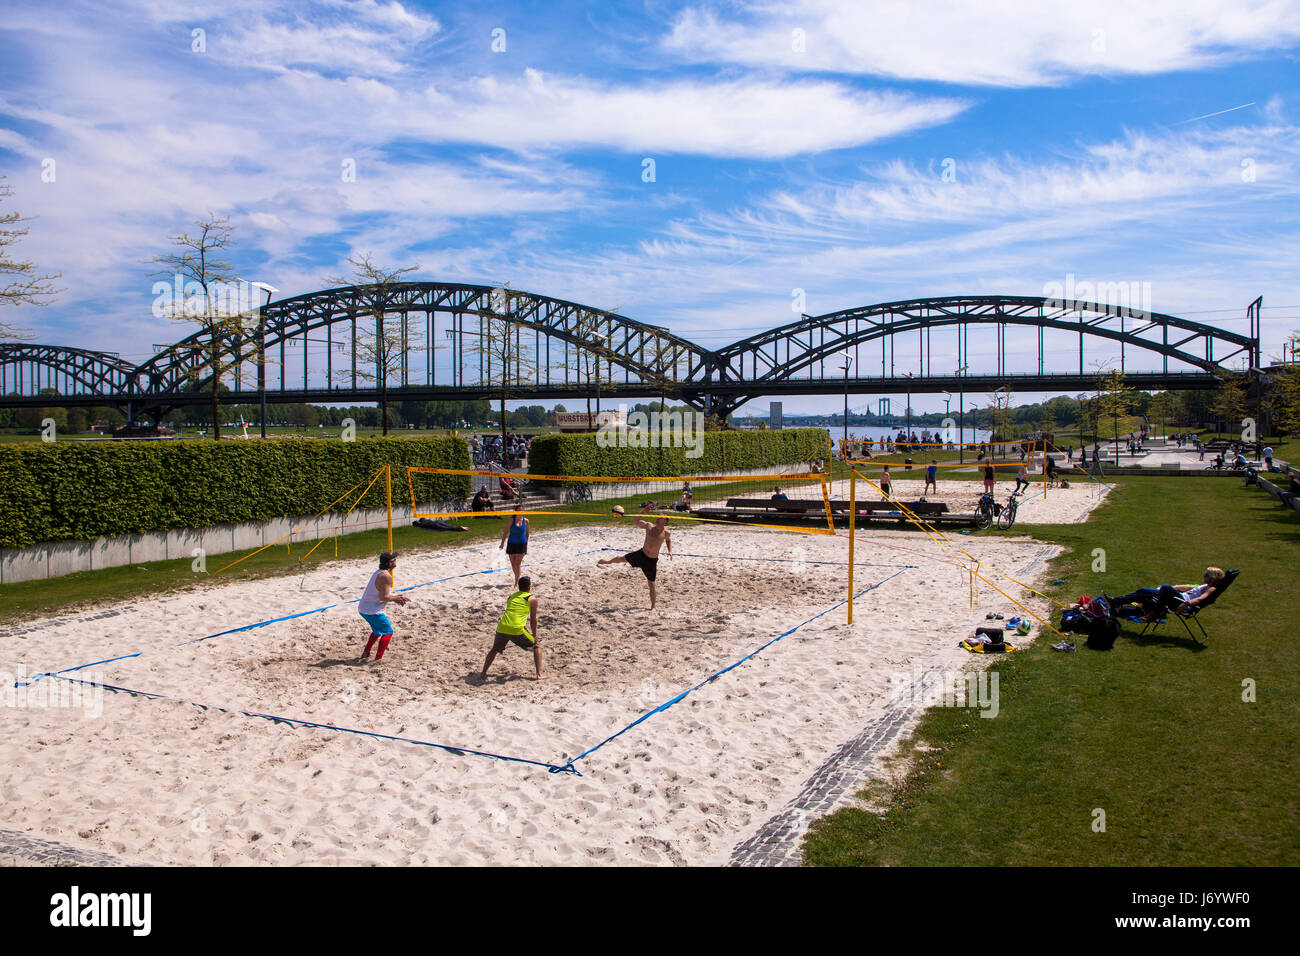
(1168, 209)
(993, 42)
(747, 118)
(361, 37)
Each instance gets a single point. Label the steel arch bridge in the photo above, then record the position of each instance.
(320, 347)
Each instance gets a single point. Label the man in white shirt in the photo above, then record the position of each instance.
(378, 593)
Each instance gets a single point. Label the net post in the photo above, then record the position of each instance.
(388, 482)
(1044, 469)
(853, 525)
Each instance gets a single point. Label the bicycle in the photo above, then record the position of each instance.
(1008, 516)
(985, 511)
(578, 492)
(452, 505)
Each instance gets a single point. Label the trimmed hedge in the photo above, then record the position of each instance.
(75, 490)
(724, 452)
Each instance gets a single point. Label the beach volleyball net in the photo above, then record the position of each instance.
(798, 501)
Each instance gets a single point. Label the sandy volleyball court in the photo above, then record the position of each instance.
(164, 781)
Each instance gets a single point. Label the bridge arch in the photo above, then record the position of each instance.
(67, 370)
(851, 328)
(653, 361)
(640, 350)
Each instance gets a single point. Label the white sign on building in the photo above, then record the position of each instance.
(582, 422)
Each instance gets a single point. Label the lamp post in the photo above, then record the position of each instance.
(848, 361)
(1260, 377)
(947, 401)
(605, 339)
(907, 411)
(961, 413)
(270, 290)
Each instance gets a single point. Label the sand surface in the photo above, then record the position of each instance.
(164, 781)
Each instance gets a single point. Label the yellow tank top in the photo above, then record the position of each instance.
(515, 620)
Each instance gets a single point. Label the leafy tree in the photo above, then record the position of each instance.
(1284, 391)
(1228, 401)
(31, 418)
(1165, 408)
(1115, 400)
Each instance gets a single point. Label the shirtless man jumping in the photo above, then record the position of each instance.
(647, 558)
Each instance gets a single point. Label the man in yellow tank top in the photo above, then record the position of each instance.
(521, 608)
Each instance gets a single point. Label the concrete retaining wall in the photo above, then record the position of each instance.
(1287, 499)
(57, 558)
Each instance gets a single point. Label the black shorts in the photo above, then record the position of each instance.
(520, 640)
(649, 565)
(520, 548)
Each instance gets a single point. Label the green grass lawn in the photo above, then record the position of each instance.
(1154, 732)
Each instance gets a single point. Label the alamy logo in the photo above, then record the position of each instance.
(977, 689)
(1129, 299)
(75, 908)
(181, 298)
(41, 692)
(656, 430)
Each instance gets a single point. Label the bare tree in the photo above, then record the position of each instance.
(507, 362)
(19, 282)
(590, 361)
(384, 347)
(207, 296)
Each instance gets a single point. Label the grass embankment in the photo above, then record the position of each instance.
(1154, 732)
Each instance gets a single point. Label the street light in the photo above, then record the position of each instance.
(270, 290)
(1260, 376)
(604, 338)
(848, 361)
(961, 413)
(908, 410)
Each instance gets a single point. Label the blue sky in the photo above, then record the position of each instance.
(796, 145)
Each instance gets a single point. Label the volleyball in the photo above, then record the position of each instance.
(616, 510)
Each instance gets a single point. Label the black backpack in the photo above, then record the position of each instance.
(1101, 628)
(1102, 633)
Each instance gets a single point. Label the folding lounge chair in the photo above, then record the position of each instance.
(1191, 614)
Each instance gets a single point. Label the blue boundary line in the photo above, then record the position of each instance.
(277, 620)
(297, 722)
(66, 670)
(570, 768)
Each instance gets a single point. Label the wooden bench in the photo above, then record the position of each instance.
(778, 504)
(838, 506)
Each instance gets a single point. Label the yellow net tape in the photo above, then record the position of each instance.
(974, 570)
(294, 531)
(818, 477)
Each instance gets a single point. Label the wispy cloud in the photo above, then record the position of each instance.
(991, 43)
